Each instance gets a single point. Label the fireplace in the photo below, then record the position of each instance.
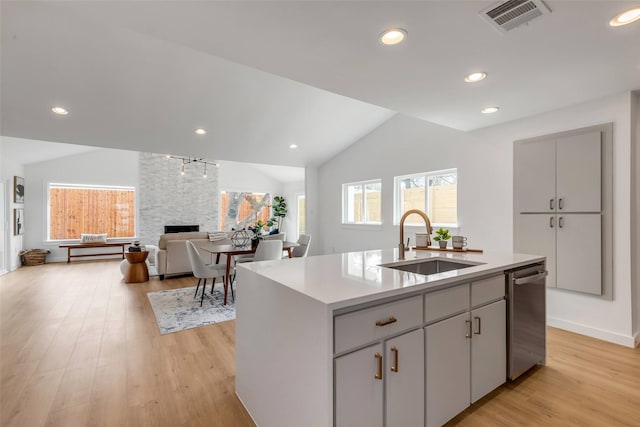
(180, 228)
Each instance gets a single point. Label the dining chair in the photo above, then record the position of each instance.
(303, 248)
(204, 271)
(249, 257)
(268, 250)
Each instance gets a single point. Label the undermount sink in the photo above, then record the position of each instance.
(430, 266)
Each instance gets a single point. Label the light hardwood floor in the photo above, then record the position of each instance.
(79, 347)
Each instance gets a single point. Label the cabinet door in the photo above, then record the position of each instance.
(579, 249)
(535, 176)
(448, 368)
(536, 234)
(578, 159)
(358, 393)
(488, 349)
(405, 380)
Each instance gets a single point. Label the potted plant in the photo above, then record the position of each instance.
(257, 232)
(279, 209)
(442, 235)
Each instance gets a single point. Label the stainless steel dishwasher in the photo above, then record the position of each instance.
(526, 325)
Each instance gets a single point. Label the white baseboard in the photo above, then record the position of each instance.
(636, 339)
(2, 272)
(601, 334)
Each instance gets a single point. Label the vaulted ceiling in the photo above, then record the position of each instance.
(260, 76)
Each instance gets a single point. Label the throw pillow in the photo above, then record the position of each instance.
(93, 238)
(274, 231)
(217, 235)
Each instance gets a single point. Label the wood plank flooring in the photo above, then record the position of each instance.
(79, 347)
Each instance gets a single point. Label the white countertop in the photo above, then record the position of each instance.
(341, 280)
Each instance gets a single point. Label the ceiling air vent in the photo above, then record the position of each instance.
(507, 15)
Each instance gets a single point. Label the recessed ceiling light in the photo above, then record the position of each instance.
(490, 110)
(626, 17)
(392, 36)
(200, 131)
(475, 77)
(293, 146)
(60, 110)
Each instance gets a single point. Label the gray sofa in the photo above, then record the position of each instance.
(172, 255)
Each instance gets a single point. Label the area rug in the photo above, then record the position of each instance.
(177, 309)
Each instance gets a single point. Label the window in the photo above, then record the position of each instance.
(242, 209)
(76, 209)
(301, 214)
(362, 202)
(435, 193)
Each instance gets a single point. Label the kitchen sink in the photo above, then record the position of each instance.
(430, 266)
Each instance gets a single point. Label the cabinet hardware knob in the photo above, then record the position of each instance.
(560, 222)
(378, 356)
(394, 368)
(551, 222)
(468, 324)
(389, 321)
(479, 331)
(560, 203)
(551, 204)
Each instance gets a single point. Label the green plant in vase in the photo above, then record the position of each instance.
(442, 236)
(257, 232)
(279, 210)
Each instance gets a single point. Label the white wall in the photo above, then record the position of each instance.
(406, 145)
(14, 244)
(236, 176)
(610, 320)
(484, 160)
(314, 194)
(100, 167)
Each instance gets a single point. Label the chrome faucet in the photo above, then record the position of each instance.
(427, 222)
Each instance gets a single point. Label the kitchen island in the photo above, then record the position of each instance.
(363, 339)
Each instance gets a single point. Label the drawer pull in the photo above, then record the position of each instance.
(389, 321)
(394, 368)
(468, 325)
(378, 356)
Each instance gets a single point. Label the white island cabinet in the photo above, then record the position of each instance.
(340, 340)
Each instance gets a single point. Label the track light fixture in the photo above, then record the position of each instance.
(192, 160)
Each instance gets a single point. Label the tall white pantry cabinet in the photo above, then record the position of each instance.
(562, 206)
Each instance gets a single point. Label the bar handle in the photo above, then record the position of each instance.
(532, 278)
(560, 203)
(468, 324)
(550, 222)
(560, 222)
(389, 321)
(479, 331)
(378, 375)
(394, 368)
(551, 204)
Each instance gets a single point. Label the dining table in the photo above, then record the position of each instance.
(231, 250)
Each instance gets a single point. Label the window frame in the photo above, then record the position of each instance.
(221, 214)
(397, 205)
(47, 220)
(298, 198)
(345, 203)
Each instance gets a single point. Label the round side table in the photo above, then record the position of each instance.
(136, 271)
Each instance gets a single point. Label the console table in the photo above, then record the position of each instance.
(71, 246)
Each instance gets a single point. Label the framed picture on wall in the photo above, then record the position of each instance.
(18, 221)
(18, 189)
